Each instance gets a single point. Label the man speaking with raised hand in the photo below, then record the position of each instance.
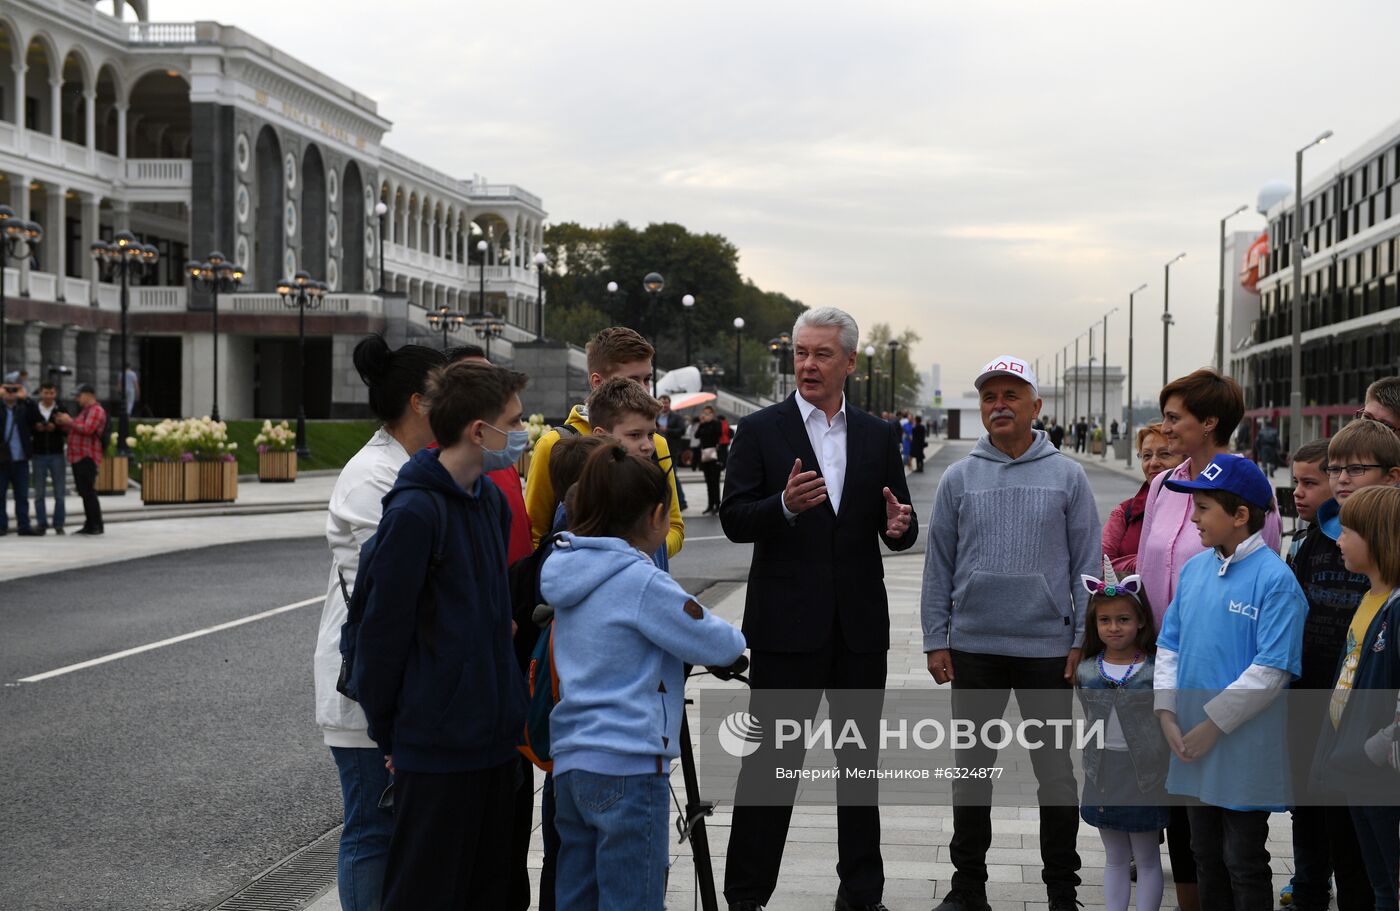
(815, 485)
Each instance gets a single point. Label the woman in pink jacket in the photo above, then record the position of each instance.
(1122, 533)
(1199, 413)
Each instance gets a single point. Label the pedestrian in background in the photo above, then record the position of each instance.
(17, 420)
(49, 464)
(397, 381)
(708, 434)
(919, 436)
(85, 447)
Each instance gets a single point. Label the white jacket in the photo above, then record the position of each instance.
(354, 512)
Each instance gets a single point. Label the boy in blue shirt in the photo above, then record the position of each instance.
(1231, 641)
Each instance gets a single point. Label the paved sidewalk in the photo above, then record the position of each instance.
(914, 839)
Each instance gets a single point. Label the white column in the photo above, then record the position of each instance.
(91, 209)
(442, 239)
(121, 131)
(18, 68)
(56, 109)
(121, 215)
(90, 120)
(19, 201)
(451, 250)
(55, 235)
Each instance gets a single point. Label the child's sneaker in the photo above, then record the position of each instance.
(1285, 895)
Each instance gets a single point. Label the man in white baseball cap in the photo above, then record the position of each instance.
(1014, 526)
(1008, 365)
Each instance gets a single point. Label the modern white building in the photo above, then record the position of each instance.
(198, 137)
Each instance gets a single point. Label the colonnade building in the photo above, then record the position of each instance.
(199, 137)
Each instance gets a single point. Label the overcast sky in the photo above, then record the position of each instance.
(995, 175)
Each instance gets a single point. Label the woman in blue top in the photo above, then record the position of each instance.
(623, 631)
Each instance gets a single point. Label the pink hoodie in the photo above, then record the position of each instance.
(1169, 538)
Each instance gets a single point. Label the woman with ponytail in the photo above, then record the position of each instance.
(397, 381)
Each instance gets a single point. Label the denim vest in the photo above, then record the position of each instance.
(1146, 745)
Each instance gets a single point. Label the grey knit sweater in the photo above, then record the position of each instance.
(1008, 541)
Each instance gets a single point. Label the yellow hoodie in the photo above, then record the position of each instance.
(540, 501)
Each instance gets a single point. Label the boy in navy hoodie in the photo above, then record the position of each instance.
(434, 667)
(623, 630)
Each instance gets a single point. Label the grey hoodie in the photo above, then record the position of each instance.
(1007, 543)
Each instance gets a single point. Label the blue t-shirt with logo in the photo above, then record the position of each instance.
(1219, 625)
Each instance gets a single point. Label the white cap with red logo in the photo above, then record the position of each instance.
(1006, 365)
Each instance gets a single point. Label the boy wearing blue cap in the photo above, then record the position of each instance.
(1231, 641)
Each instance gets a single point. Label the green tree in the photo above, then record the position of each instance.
(908, 382)
(582, 261)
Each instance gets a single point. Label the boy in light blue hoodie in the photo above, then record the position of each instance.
(623, 631)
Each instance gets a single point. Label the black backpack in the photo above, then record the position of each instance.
(355, 603)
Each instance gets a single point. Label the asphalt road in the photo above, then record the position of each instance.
(169, 778)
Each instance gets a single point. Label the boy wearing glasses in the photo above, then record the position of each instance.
(1363, 454)
(1383, 403)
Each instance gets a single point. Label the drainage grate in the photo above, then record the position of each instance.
(293, 883)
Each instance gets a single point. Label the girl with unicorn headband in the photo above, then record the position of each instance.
(1124, 772)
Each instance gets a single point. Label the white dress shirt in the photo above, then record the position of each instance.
(828, 440)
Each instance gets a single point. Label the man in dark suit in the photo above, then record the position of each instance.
(815, 484)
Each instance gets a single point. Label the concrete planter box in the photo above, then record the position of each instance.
(277, 467)
(111, 476)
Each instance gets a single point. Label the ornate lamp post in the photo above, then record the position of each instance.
(687, 304)
(653, 284)
(481, 298)
(215, 274)
(894, 374)
(489, 330)
(447, 321)
(780, 348)
(301, 291)
(869, 374)
(738, 351)
(18, 238)
(124, 257)
(540, 262)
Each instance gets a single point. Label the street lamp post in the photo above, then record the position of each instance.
(488, 331)
(214, 275)
(1295, 395)
(1220, 305)
(893, 345)
(738, 351)
(481, 246)
(301, 291)
(1131, 294)
(687, 304)
(869, 374)
(540, 261)
(380, 210)
(1104, 377)
(780, 346)
(125, 258)
(1167, 313)
(612, 295)
(653, 284)
(446, 320)
(1076, 379)
(18, 235)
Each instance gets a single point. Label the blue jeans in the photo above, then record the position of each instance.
(16, 475)
(613, 836)
(46, 468)
(364, 843)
